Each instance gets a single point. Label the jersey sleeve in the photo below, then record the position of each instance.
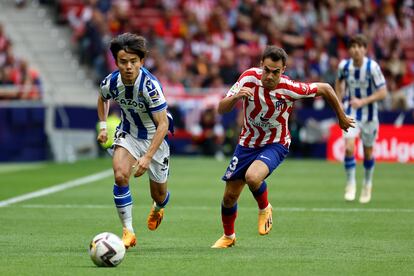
(104, 88)
(298, 90)
(377, 76)
(154, 96)
(340, 74)
(247, 79)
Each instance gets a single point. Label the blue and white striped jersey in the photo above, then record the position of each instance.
(361, 82)
(137, 102)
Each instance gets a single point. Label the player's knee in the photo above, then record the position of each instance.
(253, 179)
(230, 198)
(368, 155)
(121, 177)
(349, 151)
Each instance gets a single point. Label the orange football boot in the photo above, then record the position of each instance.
(224, 242)
(128, 238)
(265, 220)
(155, 218)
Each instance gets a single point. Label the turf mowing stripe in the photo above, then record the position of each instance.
(57, 188)
(285, 209)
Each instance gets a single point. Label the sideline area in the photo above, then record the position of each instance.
(58, 187)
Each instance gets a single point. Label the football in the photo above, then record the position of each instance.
(106, 249)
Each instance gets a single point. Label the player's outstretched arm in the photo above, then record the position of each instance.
(327, 92)
(227, 104)
(378, 95)
(340, 89)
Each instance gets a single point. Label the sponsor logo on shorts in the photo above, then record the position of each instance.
(265, 157)
(228, 174)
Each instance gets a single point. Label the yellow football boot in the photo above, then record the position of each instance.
(224, 242)
(265, 220)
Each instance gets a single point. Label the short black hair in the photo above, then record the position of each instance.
(358, 39)
(275, 54)
(130, 43)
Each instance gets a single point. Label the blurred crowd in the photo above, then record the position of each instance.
(208, 43)
(18, 80)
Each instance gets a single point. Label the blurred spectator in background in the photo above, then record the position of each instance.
(205, 35)
(18, 80)
(27, 80)
(232, 130)
(208, 134)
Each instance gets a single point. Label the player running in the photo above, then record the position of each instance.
(361, 80)
(139, 143)
(268, 98)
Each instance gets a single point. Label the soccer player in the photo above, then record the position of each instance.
(361, 84)
(139, 144)
(268, 97)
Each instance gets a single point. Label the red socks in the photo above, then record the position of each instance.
(261, 196)
(228, 217)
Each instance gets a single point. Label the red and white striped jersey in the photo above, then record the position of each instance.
(266, 114)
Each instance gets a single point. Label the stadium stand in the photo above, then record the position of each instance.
(36, 39)
(200, 47)
(190, 32)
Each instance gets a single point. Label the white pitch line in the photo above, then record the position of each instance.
(16, 168)
(57, 188)
(283, 209)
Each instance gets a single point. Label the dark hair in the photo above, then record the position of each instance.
(275, 54)
(358, 39)
(130, 43)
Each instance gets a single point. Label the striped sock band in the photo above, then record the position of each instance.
(369, 171)
(164, 203)
(350, 167)
(122, 196)
(349, 162)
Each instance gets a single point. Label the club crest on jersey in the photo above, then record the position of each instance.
(280, 104)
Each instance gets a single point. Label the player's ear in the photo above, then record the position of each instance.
(283, 69)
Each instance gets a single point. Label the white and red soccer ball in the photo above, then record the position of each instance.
(106, 249)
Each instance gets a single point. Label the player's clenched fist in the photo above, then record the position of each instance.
(102, 136)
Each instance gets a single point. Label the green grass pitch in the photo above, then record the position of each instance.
(315, 232)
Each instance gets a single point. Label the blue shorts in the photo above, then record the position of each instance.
(272, 155)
